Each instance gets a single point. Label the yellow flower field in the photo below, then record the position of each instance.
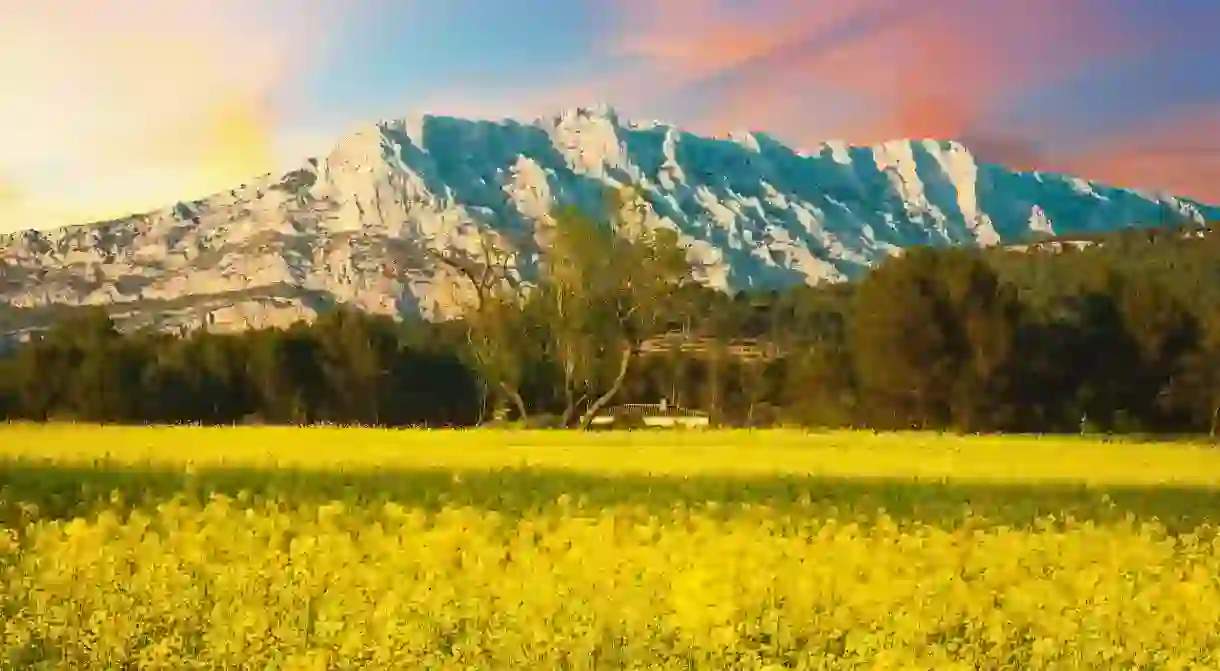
(329, 548)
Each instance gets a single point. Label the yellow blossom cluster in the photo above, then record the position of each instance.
(332, 586)
(573, 559)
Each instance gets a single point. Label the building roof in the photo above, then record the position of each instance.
(655, 410)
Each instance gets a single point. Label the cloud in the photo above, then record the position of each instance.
(1179, 153)
(114, 106)
(913, 69)
(871, 70)
(98, 96)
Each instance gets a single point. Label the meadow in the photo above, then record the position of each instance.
(355, 548)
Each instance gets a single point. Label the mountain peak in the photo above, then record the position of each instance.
(594, 111)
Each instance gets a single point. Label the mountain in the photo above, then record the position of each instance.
(358, 226)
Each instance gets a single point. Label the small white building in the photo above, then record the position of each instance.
(653, 415)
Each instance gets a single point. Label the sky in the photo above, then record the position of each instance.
(116, 106)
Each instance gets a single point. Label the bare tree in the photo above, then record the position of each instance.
(497, 333)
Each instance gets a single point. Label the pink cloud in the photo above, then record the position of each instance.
(871, 70)
(1179, 153)
(923, 70)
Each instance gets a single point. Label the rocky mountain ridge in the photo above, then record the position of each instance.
(361, 226)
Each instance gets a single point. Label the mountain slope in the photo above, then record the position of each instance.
(357, 225)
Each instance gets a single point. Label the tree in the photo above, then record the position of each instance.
(1161, 332)
(1195, 386)
(985, 317)
(81, 368)
(902, 340)
(934, 338)
(284, 373)
(352, 353)
(499, 336)
(819, 387)
(606, 287)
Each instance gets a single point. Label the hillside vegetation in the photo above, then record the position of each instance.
(1121, 336)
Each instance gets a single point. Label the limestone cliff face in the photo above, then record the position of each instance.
(356, 226)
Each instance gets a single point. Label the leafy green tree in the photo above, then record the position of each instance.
(903, 341)
(1161, 332)
(9, 390)
(934, 341)
(984, 319)
(606, 287)
(350, 358)
(1194, 387)
(819, 387)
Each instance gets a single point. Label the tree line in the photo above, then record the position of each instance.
(1122, 336)
(347, 368)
